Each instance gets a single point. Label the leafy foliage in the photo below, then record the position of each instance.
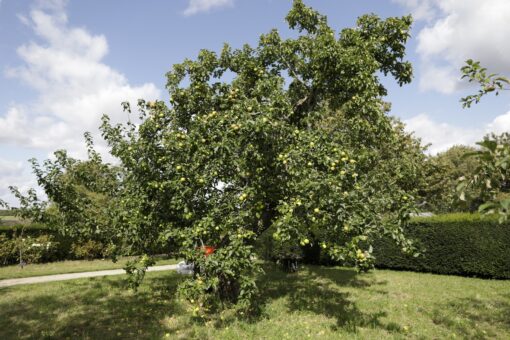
(492, 82)
(494, 156)
(443, 172)
(63, 247)
(34, 249)
(88, 250)
(81, 195)
(491, 177)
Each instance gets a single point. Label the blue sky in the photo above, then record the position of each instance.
(65, 63)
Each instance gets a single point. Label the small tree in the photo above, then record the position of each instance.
(81, 196)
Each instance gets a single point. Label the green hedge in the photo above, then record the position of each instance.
(37, 231)
(458, 244)
(62, 247)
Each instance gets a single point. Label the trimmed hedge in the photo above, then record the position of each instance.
(459, 244)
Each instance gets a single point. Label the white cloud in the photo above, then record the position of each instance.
(197, 6)
(457, 30)
(74, 86)
(74, 89)
(443, 79)
(420, 9)
(14, 173)
(500, 124)
(441, 135)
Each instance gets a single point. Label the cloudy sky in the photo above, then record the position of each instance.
(65, 63)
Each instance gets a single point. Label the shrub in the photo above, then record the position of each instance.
(7, 250)
(459, 244)
(61, 247)
(38, 249)
(88, 250)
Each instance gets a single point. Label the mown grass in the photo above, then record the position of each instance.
(7, 222)
(328, 303)
(64, 267)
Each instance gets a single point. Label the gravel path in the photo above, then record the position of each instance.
(72, 276)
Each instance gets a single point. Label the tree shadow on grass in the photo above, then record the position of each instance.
(474, 318)
(102, 308)
(322, 290)
(97, 308)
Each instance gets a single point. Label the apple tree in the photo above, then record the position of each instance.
(292, 134)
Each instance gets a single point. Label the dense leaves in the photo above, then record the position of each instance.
(442, 175)
(491, 178)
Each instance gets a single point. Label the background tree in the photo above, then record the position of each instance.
(80, 196)
(490, 180)
(443, 172)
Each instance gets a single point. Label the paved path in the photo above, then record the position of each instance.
(72, 276)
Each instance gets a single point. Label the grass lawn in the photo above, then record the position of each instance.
(63, 267)
(8, 221)
(328, 303)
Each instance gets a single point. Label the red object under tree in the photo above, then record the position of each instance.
(208, 250)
